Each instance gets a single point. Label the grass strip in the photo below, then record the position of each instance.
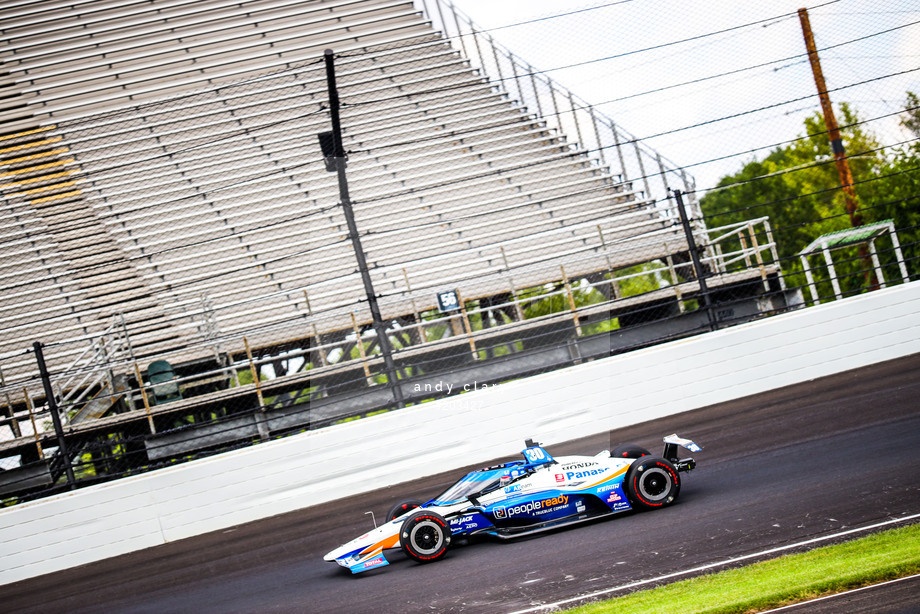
(776, 582)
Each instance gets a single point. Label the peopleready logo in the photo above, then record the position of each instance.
(530, 507)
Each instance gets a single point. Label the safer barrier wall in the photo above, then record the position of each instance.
(303, 470)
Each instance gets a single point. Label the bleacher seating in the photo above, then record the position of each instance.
(169, 153)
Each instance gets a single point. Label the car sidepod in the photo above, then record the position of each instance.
(583, 490)
(600, 480)
(470, 523)
(613, 496)
(610, 490)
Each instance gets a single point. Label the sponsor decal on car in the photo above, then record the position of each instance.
(532, 507)
(513, 488)
(574, 475)
(614, 496)
(468, 522)
(560, 477)
(574, 466)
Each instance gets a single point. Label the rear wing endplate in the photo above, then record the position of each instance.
(671, 443)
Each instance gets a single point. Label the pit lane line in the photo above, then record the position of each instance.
(842, 594)
(762, 553)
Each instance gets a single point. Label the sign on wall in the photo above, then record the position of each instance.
(449, 300)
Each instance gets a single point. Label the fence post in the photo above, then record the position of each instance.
(695, 256)
(9, 411)
(55, 416)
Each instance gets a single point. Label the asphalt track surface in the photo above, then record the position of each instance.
(778, 468)
(901, 596)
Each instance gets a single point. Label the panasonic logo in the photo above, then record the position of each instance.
(574, 475)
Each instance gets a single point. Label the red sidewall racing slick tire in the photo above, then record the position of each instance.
(629, 450)
(651, 483)
(424, 536)
(402, 507)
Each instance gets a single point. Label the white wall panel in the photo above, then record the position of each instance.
(311, 468)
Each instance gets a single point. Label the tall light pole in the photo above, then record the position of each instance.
(338, 158)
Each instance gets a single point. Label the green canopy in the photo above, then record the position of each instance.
(849, 236)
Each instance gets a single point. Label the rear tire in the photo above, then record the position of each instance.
(402, 507)
(652, 482)
(629, 450)
(424, 536)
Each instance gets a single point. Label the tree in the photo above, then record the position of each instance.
(911, 119)
(798, 187)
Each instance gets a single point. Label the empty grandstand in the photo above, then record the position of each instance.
(173, 239)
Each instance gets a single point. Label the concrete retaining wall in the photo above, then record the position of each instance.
(303, 470)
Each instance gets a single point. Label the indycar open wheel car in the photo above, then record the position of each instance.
(523, 497)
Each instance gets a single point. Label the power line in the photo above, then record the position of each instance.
(773, 106)
(286, 170)
(753, 67)
(800, 196)
(476, 31)
(825, 218)
(499, 171)
(652, 91)
(549, 17)
(709, 161)
(301, 217)
(795, 140)
(408, 96)
(676, 42)
(663, 220)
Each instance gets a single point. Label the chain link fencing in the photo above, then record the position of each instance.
(181, 278)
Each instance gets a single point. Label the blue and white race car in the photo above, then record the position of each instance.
(523, 497)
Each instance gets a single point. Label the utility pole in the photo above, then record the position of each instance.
(338, 156)
(833, 133)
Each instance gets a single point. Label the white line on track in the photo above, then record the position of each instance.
(849, 592)
(607, 591)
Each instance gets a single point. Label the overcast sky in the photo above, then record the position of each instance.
(618, 86)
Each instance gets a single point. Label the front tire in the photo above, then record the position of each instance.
(402, 507)
(424, 536)
(652, 482)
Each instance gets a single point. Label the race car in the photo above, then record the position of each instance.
(522, 497)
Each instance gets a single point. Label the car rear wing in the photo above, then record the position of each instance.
(671, 445)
